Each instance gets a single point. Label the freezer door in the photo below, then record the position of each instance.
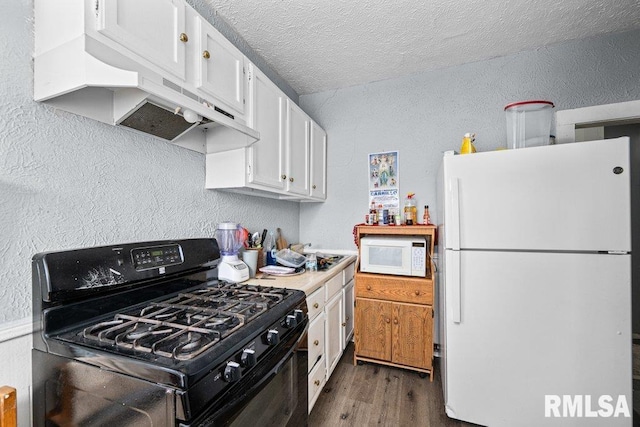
(521, 326)
(573, 197)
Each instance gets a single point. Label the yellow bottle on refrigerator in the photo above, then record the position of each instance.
(467, 146)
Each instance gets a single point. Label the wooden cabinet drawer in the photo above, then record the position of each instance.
(401, 289)
(333, 286)
(315, 303)
(316, 382)
(315, 342)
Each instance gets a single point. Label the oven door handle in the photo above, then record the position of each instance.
(276, 369)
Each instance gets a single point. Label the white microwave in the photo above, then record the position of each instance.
(396, 255)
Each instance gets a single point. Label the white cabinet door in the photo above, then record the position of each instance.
(316, 381)
(334, 331)
(316, 340)
(297, 150)
(267, 116)
(220, 69)
(318, 162)
(348, 292)
(152, 29)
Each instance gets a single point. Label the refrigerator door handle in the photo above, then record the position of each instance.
(454, 214)
(453, 280)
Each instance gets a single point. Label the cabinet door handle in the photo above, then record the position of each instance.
(314, 186)
(368, 287)
(206, 54)
(347, 318)
(184, 38)
(395, 321)
(344, 324)
(290, 179)
(387, 320)
(315, 305)
(284, 177)
(316, 342)
(317, 382)
(417, 293)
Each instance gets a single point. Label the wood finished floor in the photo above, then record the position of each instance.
(371, 394)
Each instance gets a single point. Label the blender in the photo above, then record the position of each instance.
(230, 239)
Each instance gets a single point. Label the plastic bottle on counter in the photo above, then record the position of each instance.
(270, 249)
(311, 263)
(426, 218)
(410, 210)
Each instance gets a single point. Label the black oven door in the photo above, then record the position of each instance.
(273, 394)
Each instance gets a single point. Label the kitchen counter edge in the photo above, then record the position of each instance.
(308, 282)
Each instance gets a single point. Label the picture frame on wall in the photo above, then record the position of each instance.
(384, 183)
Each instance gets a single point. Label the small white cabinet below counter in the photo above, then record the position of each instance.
(330, 313)
(335, 296)
(315, 344)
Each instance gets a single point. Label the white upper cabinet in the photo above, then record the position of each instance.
(297, 172)
(318, 162)
(267, 116)
(153, 29)
(221, 67)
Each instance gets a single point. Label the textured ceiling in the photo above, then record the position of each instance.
(318, 45)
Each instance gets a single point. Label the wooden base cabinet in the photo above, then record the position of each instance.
(411, 333)
(394, 314)
(373, 329)
(399, 333)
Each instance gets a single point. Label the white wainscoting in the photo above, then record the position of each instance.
(15, 371)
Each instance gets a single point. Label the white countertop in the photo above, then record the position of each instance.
(308, 282)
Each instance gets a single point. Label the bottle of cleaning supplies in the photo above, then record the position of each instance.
(467, 146)
(270, 248)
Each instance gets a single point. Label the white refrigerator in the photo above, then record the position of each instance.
(535, 296)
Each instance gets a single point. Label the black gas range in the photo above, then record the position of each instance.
(145, 334)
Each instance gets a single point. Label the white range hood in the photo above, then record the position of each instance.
(85, 76)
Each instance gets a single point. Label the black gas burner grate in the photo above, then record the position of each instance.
(185, 326)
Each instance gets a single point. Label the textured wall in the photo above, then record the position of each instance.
(67, 181)
(425, 114)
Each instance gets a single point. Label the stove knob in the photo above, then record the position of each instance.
(272, 337)
(299, 315)
(232, 372)
(291, 321)
(248, 358)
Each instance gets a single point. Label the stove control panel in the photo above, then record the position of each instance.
(156, 257)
